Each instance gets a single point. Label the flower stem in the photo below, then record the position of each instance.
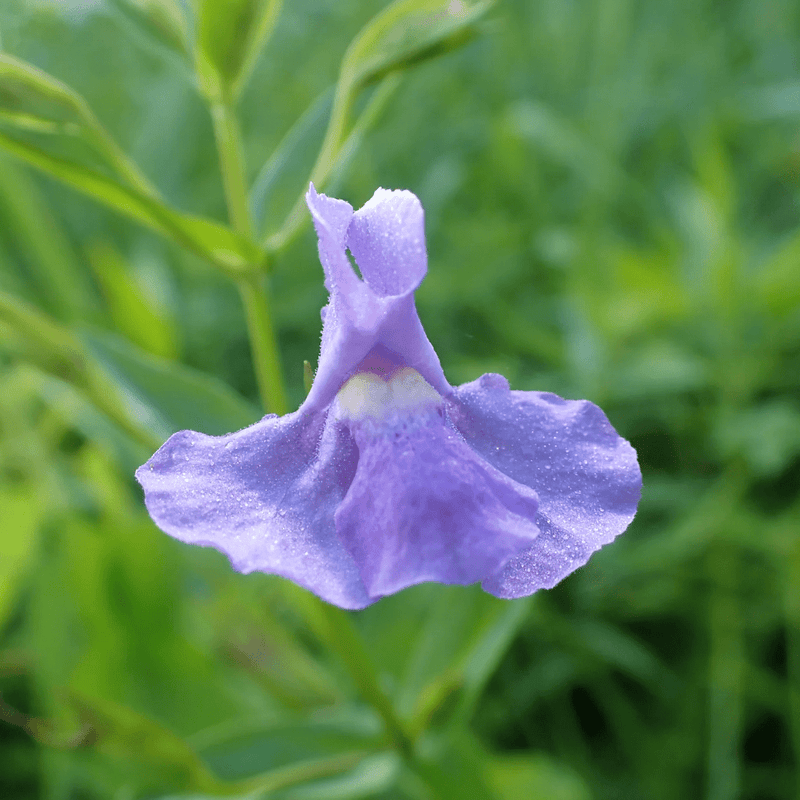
(336, 149)
(266, 360)
(231, 164)
(254, 294)
(335, 628)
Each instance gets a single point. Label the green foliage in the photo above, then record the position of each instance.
(611, 202)
(229, 36)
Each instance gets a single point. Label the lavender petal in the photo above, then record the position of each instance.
(585, 474)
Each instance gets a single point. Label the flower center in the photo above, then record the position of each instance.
(367, 395)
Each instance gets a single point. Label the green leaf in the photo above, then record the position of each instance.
(229, 37)
(34, 337)
(455, 766)
(41, 340)
(457, 650)
(244, 750)
(355, 777)
(163, 20)
(32, 100)
(372, 778)
(62, 283)
(164, 395)
(332, 161)
(776, 280)
(77, 150)
(133, 312)
(407, 32)
(135, 741)
(21, 517)
(216, 242)
(292, 155)
(533, 776)
(766, 435)
(148, 397)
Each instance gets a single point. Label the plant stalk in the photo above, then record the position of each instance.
(254, 294)
(266, 359)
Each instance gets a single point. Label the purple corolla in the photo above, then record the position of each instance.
(388, 476)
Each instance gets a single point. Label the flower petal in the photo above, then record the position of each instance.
(332, 218)
(387, 239)
(368, 316)
(586, 475)
(265, 497)
(423, 507)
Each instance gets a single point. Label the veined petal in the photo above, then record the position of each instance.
(586, 475)
(387, 239)
(422, 505)
(265, 497)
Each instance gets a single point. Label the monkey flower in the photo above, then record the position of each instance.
(388, 476)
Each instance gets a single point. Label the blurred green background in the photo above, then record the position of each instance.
(611, 196)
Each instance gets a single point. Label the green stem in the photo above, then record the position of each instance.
(231, 163)
(326, 160)
(255, 297)
(335, 628)
(266, 360)
(336, 148)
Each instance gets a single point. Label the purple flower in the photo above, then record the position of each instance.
(387, 476)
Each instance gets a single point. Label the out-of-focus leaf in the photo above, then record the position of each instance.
(489, 646)
(563, 142)
(661, 367)
(32, 100)
(332, 162)
(148, 396)
(403, 34)
(289, 156)
(21, 516)
(615, 647)
(222, 246)
(366, 120)
(164, 395)
(133, 740)
(242, 751)
(455, 766)
(163, 20)
(644, 292)
(406, 32)
(77, 410)
(458, 647)
(61, 282)
(133, 314)
(257, 639)
(373, 777)
(534, 776)
(767, 436)
(56, 351)
(310, 780)
(229, 37)
(48, 345)
(777, 280)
